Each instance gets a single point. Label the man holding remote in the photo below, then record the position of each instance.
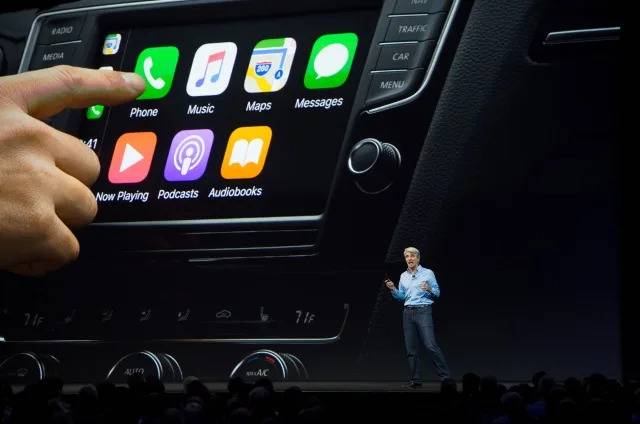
(418, 289)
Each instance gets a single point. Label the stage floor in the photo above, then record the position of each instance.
(347, 386)
(358, 386)
(315, 387)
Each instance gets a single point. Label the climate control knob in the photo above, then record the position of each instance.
(373, 164)
(275, 366)
(160, 365)
(28, 368)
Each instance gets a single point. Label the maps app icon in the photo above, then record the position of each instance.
(111, 44)
(270, 65)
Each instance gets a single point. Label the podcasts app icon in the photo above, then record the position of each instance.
(188, 155)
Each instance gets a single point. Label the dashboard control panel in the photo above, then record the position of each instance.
(238, 191)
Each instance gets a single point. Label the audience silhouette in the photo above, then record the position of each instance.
(595, 399)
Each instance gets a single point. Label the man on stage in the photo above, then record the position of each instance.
(418, 289)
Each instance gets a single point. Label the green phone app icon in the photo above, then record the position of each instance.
(157, 65)
(95, 112)
(330, 61)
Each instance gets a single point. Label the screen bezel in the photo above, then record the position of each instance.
(163, 12)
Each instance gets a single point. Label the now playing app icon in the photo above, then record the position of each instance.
(188, 155)
(132, 157)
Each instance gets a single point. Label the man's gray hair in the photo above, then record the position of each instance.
(412, 250)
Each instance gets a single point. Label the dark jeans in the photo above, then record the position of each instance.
(418, 328)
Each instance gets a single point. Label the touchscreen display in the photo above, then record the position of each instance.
(239, 119)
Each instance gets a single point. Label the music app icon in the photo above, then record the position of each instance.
(211, 69)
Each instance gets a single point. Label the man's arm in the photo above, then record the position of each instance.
(45, 174)
(399, 293)
(432, 289)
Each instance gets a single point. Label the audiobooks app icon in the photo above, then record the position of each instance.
(246, 152)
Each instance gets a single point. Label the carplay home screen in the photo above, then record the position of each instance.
(239, 119)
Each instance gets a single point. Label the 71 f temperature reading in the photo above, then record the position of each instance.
(304, 317)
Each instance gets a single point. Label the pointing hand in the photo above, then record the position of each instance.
(45, 174)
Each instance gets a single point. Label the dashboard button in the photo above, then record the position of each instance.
(47, 56)
(363, 156)
(172, 369)
(61, 30)
(404, 55)
(22, 368)
(414, 28)
(391, 85)
(374, 165)
(144, 363)
(421, 6)
(51, 365)
(262, 364)
(298, 370)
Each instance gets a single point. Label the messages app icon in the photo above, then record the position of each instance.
(157, 65)
(330, 61)
(270, 65)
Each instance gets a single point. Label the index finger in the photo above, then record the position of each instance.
(45, 92)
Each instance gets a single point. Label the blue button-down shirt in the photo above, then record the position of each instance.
(409, 290)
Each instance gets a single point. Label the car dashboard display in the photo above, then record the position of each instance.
(239, 119)
(246, 119)
(269, 153)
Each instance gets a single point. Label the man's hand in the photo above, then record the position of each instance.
(425, 286)
(45, 173)
(390, 284)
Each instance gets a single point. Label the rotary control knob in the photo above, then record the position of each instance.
(275, 366)
(161, 365)
(28, 367)
(373, 164)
